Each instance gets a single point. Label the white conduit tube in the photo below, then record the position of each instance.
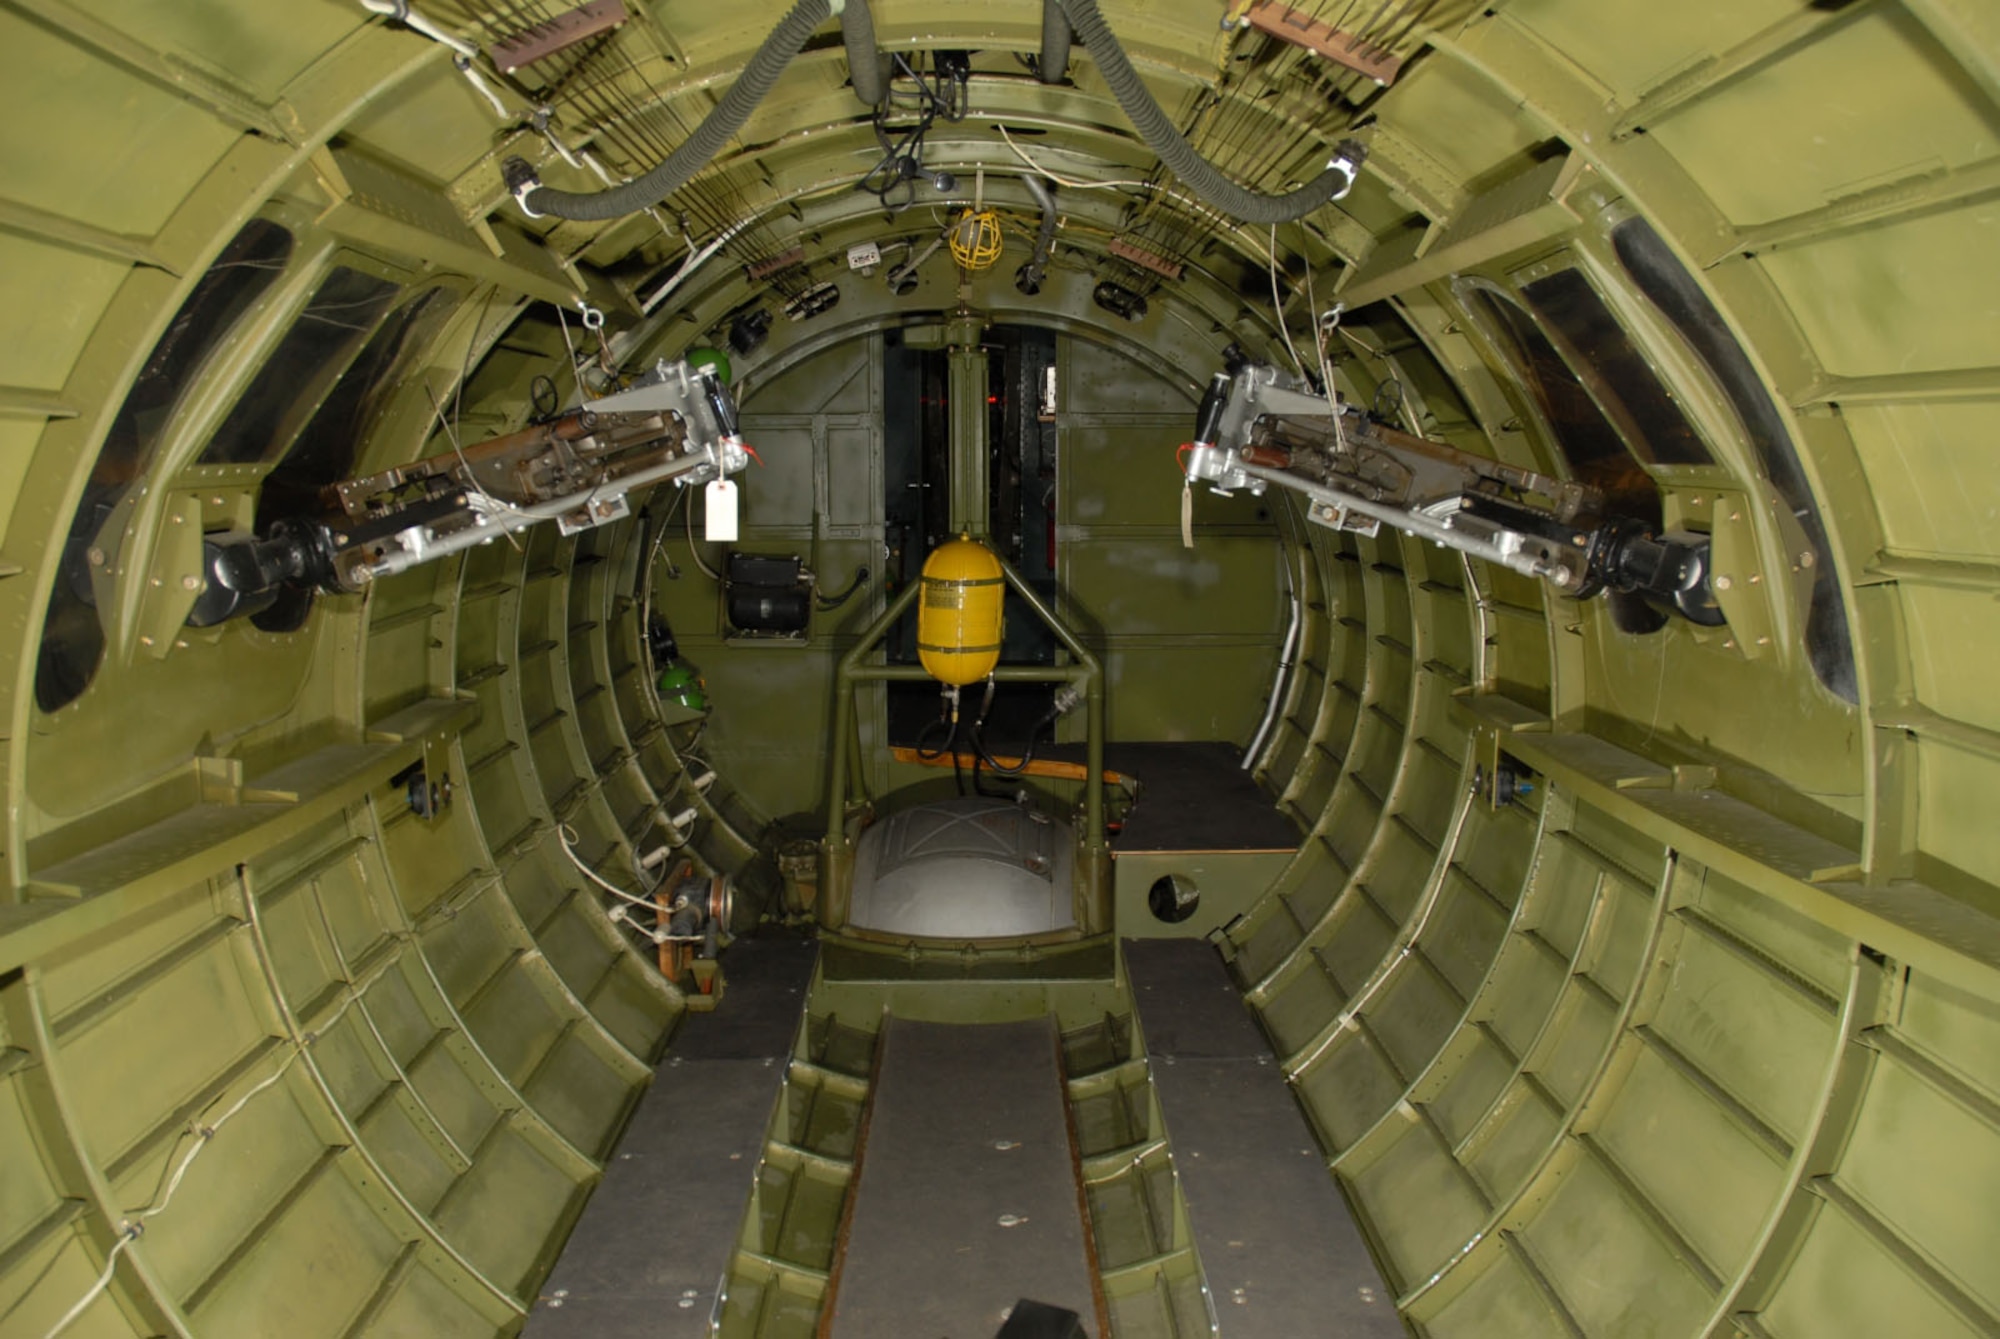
(484, 89)
(689, 266)
(462, 51)
(1285, 654)
(401, 11)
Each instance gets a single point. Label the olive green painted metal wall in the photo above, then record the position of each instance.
(1701, 1038)
(1577, 1077)
(1189, 637)
(1656, 1052)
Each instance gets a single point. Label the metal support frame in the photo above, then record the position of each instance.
(971, 447)
(1093, 867)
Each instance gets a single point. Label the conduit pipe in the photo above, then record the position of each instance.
(864, 58)
(401, 11)
(1285, 653)
(694, 153)
(687, 267)
(1029, 277)
(1181, 158)
(462, 53)
(1053, 68)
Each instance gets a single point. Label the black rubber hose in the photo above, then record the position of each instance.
(828, 603)
(864, 59)
(978, 739)
(715, 130)
(1029, 277)
(1053, 68)
(941, 723)
(1181, 159)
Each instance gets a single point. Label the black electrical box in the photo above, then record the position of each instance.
(767, 596)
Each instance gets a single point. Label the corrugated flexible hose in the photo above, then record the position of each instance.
(1053, 68)
(715, 130)
(1181, 158)
(864, 60)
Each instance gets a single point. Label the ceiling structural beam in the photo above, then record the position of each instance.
(1893, 201)
(376, 203)
(1519, 212)
(1926, 723)
(1710, 74)
(20, 402)
(39, 225)
(1955, 572)
(174, 73)
(1951, 384)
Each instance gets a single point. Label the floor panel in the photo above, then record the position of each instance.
(653, 1244)
(1279, 1246)
(967, 1197)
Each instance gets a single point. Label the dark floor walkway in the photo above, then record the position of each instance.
(967, 1197)
(651, 1248)
(1192, 797)
(1280, 1250)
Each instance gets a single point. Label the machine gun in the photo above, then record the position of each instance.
(1254, 429)
(577, 470)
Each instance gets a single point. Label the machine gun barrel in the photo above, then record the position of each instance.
(1254, 431)
(578, 470)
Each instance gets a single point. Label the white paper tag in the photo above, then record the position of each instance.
(1187, 515)
(721, 513)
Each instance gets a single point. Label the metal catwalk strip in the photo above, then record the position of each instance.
(1281, 1251)
(967, 1199)
(656, 1238)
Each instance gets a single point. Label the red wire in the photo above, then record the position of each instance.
(1180, 455)
(753, 455)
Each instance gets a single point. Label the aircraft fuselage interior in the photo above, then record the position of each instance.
(1047, 668)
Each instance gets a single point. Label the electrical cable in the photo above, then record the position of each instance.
(401, 11)
(569, 837)
(1069, 183)
(134, 1223)
(575, 368)
(977, 736)
(903, 156)
(687, 516)
(828, 603)
(565, 833)
(948, 717)
(1158, 191)
(1278, 307)
(978, 786)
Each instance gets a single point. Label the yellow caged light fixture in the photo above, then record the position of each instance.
(975, 239)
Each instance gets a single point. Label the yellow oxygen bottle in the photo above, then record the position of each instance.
(958, 615)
